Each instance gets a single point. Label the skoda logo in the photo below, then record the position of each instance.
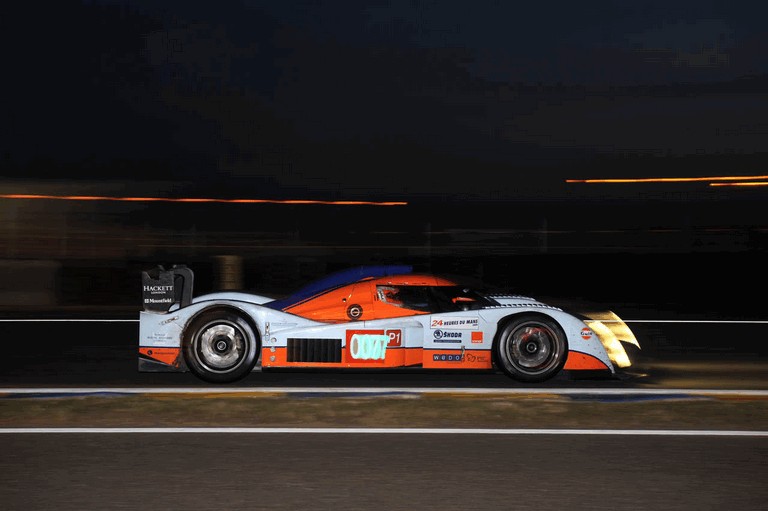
(441, 334)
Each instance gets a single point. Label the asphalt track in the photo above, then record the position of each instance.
(346, 469)
(380, 472)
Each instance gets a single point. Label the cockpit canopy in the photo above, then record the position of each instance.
(431, 298)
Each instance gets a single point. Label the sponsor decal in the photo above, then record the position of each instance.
(471, 357)
(443, 336)
(157, 294)
(477, 337)
(371, 345)
(157, 289)
(168, 356)
(159, 337)
(459, 357)
(162, 351)
(162, 300)
(454, 323)
(446, 357)
(354, 311)
(586, 333)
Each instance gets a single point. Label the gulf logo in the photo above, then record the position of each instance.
(586, 333)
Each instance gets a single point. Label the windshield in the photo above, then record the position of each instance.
(433, 298)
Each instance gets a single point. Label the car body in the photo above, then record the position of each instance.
(374, 317)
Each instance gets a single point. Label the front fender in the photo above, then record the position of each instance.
(585, 347)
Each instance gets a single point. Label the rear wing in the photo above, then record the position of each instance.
(161, 288)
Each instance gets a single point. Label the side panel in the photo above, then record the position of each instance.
(160, 342)
(363, 344)
(160, 330)
(460, 340)
(338, 346)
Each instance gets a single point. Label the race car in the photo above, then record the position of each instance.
(373, 317)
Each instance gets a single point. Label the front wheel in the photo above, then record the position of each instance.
(531, 348)
(220, 347)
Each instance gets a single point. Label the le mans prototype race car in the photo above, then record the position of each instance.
(369, 317)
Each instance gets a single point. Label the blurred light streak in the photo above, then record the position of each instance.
(612, 331)
(743, 183)
(199, 200)
(668, 179)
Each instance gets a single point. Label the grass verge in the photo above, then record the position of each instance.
(423, 411)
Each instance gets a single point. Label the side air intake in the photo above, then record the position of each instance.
(314, 350)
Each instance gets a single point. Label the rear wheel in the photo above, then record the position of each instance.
(221, 347)
(531, 348)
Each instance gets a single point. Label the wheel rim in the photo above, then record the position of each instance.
(220, 346)
(533, 348)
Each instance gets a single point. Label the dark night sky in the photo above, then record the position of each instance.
(386, 98)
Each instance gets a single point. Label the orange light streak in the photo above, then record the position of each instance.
(743, 183)
(668, 179)
(224, 201)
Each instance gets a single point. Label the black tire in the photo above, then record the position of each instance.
(221, 347)
(531, 348)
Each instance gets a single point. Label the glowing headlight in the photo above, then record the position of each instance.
(612, 331)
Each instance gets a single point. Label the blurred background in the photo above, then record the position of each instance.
(603, 151)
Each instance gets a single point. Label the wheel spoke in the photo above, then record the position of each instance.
(532, 349)
(221, 347)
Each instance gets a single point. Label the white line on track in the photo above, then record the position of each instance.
(408, 431)
(68, 320)
(380, 390)
(700, 321)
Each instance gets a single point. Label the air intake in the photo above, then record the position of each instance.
(314, 350)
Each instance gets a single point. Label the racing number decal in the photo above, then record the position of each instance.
(368, 347)
(371, 345)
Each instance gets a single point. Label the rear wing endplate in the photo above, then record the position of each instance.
(161, 288)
